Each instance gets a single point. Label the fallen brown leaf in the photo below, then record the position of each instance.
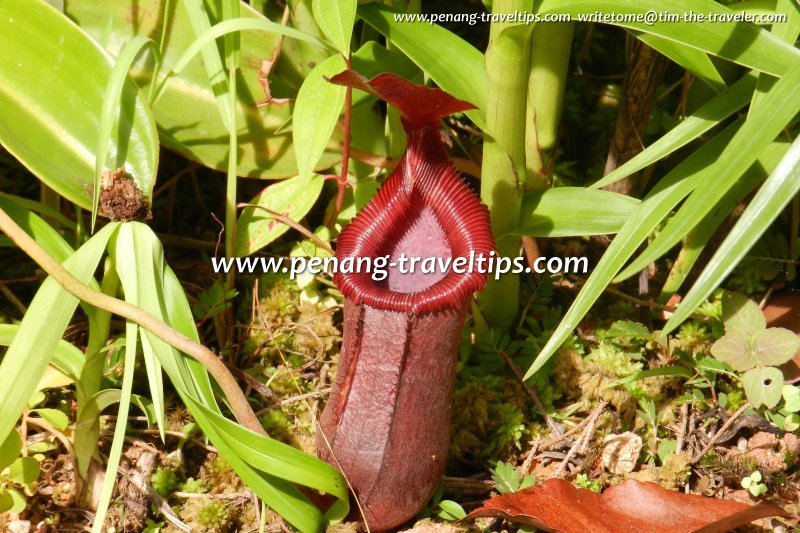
(783, 311)
(558, 505)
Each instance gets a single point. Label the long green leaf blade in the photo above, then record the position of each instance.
(41, 329)
(711, 114)
(696, 240)
(237, 25)
(693, 60)
(573, 211)
(664, 197)
(110, 477)
(742, 43)
(161, 295)
(776, 110)
(49, 116)
(316, 112)
(67, 359)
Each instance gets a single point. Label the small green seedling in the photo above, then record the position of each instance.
(17, 475)
(753, 484)
(750, 347)
(583, 481)
(507, 479)
(447, 510)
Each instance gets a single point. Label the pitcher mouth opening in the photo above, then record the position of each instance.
(436, 218)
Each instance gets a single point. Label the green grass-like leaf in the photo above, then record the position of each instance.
(742, 43)
(773, 196)
(209, 36)
(267, 466)
(657, 205)
(709, 115)
(41, 329)
(693, 60)
(114, 456)
(756, 134)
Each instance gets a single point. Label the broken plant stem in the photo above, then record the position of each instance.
(551, 444)
(531, 392)
(238, 402)
(292, 224)
(721, 432)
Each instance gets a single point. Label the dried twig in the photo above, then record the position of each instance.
(156, 499)
(582, 442)
(722, 430)
(12, 298)
(298, 398)
(467, 487)
(532, 393)
(221, 496)
(553, 442)
(682, 428)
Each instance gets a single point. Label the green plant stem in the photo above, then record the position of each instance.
(238, 402)
(232, 44)
(550, 50)
(87, 425)
(503, 170)
(231, 181)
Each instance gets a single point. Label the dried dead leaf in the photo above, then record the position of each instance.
(559, 506)
(783, 311)
(263, 79)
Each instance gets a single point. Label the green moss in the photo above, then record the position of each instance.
(593, 378)
(208, 516)
(192, 485)
(217, 474)
(214, 516)
(278, 424)
(164, 481)
(694, 338)
(488, 421)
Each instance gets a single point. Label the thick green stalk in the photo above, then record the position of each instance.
(550, 49)
(503, 171)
